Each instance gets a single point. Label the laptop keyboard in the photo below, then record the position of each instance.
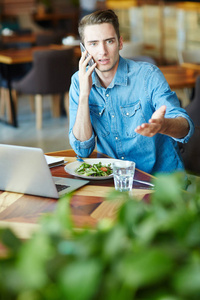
(61, 187)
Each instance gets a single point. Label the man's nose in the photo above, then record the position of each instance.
(102, 48)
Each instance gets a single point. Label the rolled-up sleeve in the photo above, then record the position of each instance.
(164, 96)
(190, 132)
(83, 149)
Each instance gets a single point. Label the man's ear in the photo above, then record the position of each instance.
(120, 43)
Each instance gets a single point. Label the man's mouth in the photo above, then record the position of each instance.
(103, 61)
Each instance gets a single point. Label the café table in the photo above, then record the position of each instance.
(192, 66)
(15, 38)
(88, 204)
(179, 77)
(18, 56)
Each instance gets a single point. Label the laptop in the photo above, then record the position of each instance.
(25, 170)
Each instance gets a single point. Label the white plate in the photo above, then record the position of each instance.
(71, 167)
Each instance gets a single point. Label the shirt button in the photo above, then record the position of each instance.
(113, 116)
(99, 113)
(122, 157)
(107, 95)
(127, 114)
(116, 138)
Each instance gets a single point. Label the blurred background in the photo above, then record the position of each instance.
(159, 30)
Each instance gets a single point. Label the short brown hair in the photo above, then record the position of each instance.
(99, 17)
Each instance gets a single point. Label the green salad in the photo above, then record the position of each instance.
(94, 170)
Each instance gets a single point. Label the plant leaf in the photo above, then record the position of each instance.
(79, 280)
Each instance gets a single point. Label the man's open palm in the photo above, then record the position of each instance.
(155, 124)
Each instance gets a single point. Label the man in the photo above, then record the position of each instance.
(126, 106)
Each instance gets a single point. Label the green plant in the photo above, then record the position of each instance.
(150, 252)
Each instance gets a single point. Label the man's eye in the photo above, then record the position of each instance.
(92, 44)
(109, 41)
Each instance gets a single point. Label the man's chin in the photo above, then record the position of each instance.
(104, 69)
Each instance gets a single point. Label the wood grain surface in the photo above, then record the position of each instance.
(88, 204)
(179, 77)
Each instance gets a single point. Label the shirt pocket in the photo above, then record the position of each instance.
(132, 116)
(99, 120)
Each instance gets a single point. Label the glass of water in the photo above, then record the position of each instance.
(123, 172)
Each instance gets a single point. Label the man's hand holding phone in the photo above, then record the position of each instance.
(91, 61)
(85, 78)
(85, 74)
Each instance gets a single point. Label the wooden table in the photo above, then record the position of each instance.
(15, 38)
(88, 205)
(191, 66)
(17, 56)
(179, 77)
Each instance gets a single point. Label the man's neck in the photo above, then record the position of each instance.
(106, 78)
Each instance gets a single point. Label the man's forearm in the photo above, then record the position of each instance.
(82, 129)
(176, 127)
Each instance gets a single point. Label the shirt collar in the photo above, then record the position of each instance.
(120, 78)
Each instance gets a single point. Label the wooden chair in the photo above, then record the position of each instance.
(50, 75)
(16, 72)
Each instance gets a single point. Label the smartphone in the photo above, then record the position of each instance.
(91, 61)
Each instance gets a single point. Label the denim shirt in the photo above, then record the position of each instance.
(136, 91)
